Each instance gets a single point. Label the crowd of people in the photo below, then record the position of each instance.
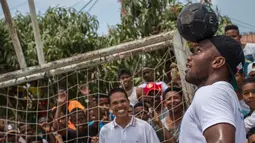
(154, 111)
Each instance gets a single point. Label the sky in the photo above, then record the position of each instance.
(107, 12)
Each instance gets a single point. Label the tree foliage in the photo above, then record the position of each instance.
(65, 32)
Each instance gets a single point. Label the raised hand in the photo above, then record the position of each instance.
(62, 97)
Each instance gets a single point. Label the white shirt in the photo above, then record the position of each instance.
(212, 104)
(133, 97)
(249, 122)
(163, 84)
(137, 131)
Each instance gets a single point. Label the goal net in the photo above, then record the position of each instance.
(70, 104)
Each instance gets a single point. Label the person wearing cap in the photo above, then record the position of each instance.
(149, 76)
(215, 112)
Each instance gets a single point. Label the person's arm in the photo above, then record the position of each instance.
(223, 132)
(249, 122)
(62, 103)
(168, 137)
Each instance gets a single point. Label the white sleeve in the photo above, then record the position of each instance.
(101, 137)
(213, 106)
(152, 136)
(164, 86)
(249, 122)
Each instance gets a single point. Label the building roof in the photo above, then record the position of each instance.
(248, 38)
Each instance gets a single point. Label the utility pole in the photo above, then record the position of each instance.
(37, 35)
(13, 34)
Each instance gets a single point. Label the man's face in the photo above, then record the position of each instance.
(79, 119)
(126, 80)
(148, 75)
(173, 101)
(234, 34)
(240, 79)
(119, 104)
(104, 105)
(199, 63)
(141, 113)
(248, 91)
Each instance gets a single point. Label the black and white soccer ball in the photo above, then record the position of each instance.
(197, 22)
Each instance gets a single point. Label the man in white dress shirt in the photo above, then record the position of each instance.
(125, 128)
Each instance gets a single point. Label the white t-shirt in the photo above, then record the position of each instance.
(212, 104)
(137, 131)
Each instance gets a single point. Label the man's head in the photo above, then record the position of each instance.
(141, 111)
(240, 77)
(173, 99)
(119, 102)
(248, 91)
(148, 74)
(217, 58)
(104, 105)
(125, 77)
(233, 32)
(79, 118)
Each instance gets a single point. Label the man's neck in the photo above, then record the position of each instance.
(174, 116)
(211, 80)
(124, 121)
(128, 88)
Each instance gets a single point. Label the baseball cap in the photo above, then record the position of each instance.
(152, 86)
(232, 51)
(75, 104)
(11, 129)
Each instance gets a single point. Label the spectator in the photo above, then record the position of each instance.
(249, 98)
(215, 113)
(174, 103)
(141, 111)
(133, 92)
(233, 32)
(125, 128)
(240, 77)
(149, 76)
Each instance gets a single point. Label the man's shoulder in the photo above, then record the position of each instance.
(142, 124)
(107, 127)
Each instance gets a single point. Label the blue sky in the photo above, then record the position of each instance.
(108, 11)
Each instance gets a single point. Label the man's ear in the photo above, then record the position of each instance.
(218, 62)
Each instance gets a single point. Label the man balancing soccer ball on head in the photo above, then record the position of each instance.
(215, 114)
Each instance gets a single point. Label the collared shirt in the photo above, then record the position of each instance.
(137, 131)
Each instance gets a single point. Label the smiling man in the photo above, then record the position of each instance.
(125, 128)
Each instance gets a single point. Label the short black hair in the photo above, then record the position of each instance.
(231, 27)
(174, 88)
(114, 90)
(141, 104)
(124, 71)
(249, 80)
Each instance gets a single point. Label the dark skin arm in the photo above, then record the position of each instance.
(220, 133)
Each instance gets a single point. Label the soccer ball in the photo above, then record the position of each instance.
(197, 22)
